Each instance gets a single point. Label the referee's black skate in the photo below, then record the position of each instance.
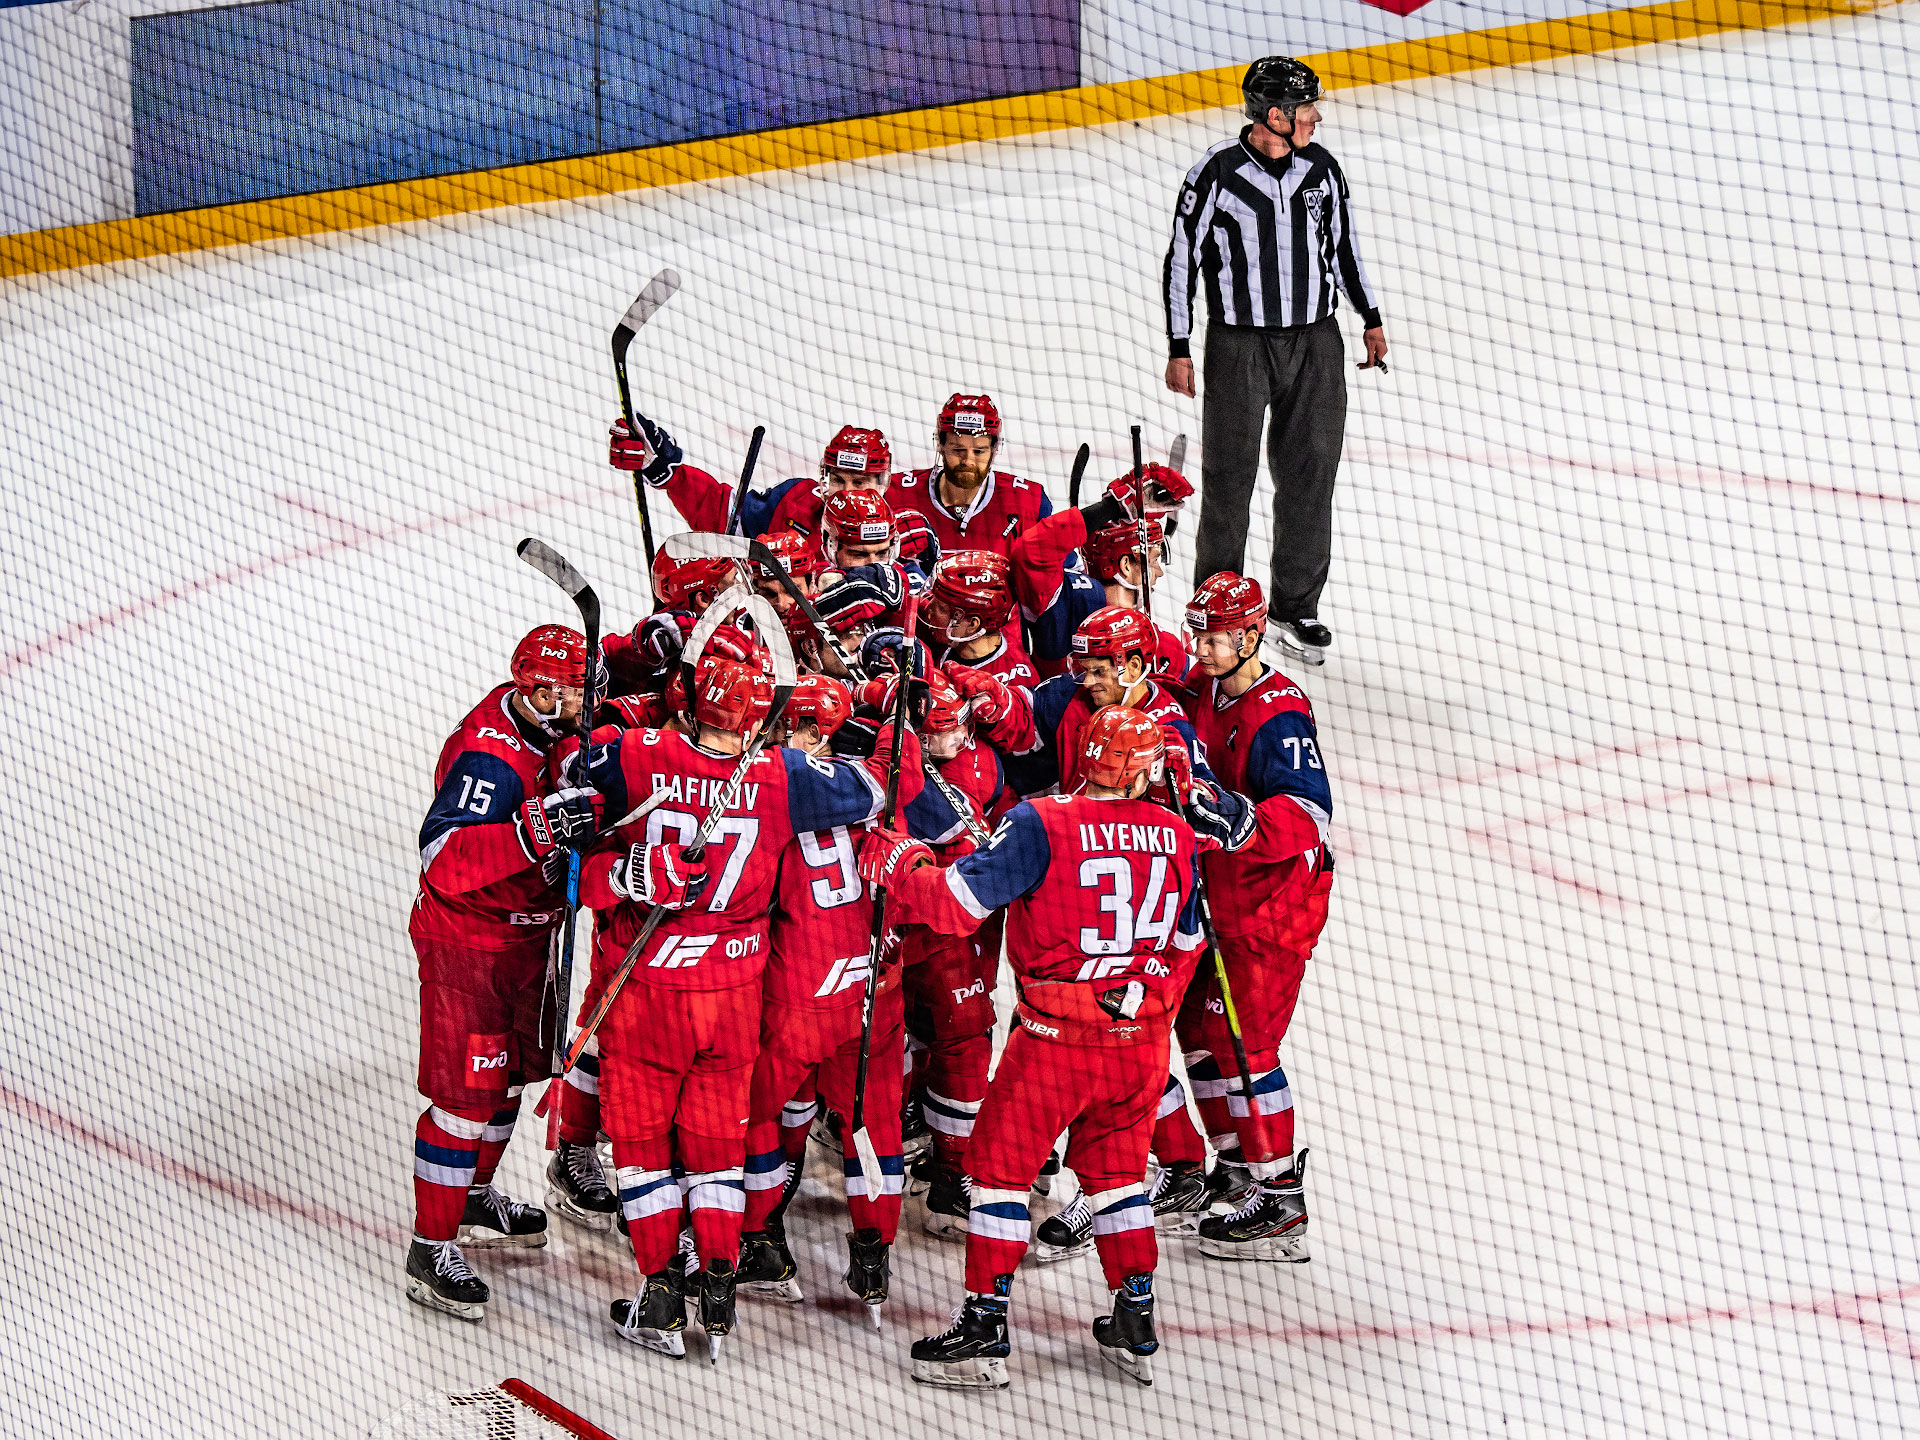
(1271, 1225)
(439, 1278)
(1126, 1337)
(493, 1221)
(656, 1318)
(766, 1264)
(577, 1188)
(1303, 640)
(971, 1353)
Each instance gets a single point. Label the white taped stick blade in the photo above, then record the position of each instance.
(699, 545)
(1177, 456)
(658, 291)
(766, 619)
(489, 1414)
(869, 1162)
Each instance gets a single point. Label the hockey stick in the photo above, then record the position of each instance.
(552, 564)
(1177, 455)
(1240, 1060)
(863, 1141)
(1146, 564)
(1079, 474)
(658, 291)
(725, 605)
(746, 478)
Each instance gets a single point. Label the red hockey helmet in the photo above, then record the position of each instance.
(1113, 633)
(691, 584)
(550, 655)
(827, 702)
(729, 694)
(792, 550)
(1118, 745)
(1227, 601)
(974, 583)
(863, 452)
(968, 415)
(1111, 544)
(947, 708)
(856, 517)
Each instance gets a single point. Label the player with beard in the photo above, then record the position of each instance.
(969, 504)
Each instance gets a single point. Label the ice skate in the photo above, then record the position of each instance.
(1126, 1337)
(657, 1316)
(577, 1188)
(766, 1264)
(1270, 1225)
(869, 1270)
(494, 1222)
(1049, 1172)
(1068, 1233)
(971, 1354)
(915, 1134)
(715, 1286)
(826, 1132)
(1180, 1197)
(1230, 1184)
(439, 1278)
(1303, 640)
(948, 1205)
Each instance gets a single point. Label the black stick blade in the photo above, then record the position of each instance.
(555, 566)
(658, 291)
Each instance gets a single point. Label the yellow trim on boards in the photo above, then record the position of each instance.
(71, 246)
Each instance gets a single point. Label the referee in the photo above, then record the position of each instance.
(1263, 219)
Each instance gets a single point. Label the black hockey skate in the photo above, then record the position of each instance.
(1180, 1196)
(1303, 640)
(439, 1278)
(971, 1354)
(828, 1131)
(715, 1286)
(657, 1317)
(1068, 1233)
(766, 1264)
(869, 1270)
(1049, 1172)
(1271, 1225)
(577, 1188)
(495, 1222)
(1126, 1337)
(915, 1133)
(1230, 1184)
(949, 1205)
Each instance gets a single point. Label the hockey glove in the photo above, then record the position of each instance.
(1222, 816)
(661, 874)
(548, 822)
(889, 854)
(1178, 764)
(878, 696)
(992, 700)
(652, 455)
(919, 546)
(1164, 491)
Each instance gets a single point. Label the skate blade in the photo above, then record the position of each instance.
(981, 1374)
(787, 1292)
(1043, 1184)
(598, 1221)
(670, 1343)
(479, 1238)
(873, 1314)
(1134, 1367)
(1304, 654)
(422, 1294)
(1053, 1254)
(713, 1347)
(946, 1227)
(1185, 1223)
(1277, 1249)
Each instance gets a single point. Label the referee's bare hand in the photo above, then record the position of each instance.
(1376, 342)
(1180, 374)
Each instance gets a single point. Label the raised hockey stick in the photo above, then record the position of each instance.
(746, 479)
(1177, 455)
(1079, 474)
(863, 1141)
(725, 605)
(658, 291)
(1146, 563)
(552, 564)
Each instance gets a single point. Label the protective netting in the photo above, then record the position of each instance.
(1601, 1055)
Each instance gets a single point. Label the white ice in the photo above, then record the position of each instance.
(1604, 1058)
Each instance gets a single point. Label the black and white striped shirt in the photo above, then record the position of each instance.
(1273, 238)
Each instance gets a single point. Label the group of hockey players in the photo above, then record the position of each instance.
(1133, 819)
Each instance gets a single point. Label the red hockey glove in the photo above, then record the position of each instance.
(652, 453)
(992, 700)
(547, 822)
(1179, 764)
(888, 855)
(660, 874)
(1166, 490)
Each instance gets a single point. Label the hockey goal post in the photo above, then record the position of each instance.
(511, 1410)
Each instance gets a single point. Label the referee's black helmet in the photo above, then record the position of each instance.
(1278, 80)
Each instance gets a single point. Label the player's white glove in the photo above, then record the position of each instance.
(662, 874)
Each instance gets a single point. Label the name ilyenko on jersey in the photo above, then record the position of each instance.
(722, 939)
(1263, 744)
(478, 887)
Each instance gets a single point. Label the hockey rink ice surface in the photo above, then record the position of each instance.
(1603, 1060)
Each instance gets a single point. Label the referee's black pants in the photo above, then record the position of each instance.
(1301, 374)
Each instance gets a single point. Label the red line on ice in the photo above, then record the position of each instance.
(57, 640)
(1490, 773)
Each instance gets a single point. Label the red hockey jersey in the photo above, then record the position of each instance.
(1004, 508)
(822, 923)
